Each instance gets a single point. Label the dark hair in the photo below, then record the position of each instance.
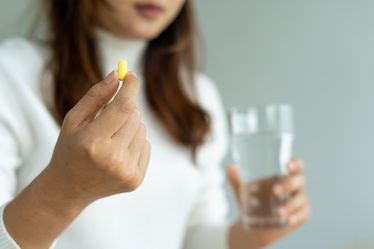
(75, 66)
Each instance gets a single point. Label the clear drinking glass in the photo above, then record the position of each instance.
(262, 139)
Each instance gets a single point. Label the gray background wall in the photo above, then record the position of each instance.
(316, 55)
(319, 56)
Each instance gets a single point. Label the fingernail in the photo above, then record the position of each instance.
(293, 219)
(109, 78)
(133, 73)
(278, 189)
(282, 211)
(292, 166)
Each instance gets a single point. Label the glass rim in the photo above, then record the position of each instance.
(261, 118)
(246, 108)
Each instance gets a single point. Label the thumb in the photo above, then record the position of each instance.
(233, 177)
(96, 97)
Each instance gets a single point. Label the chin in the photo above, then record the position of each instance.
(147, 28)
(146, 32)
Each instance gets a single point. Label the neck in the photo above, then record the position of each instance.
(112, 48)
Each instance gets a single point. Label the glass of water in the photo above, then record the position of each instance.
(262, 139)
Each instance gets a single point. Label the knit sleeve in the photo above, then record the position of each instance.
(208, 225)
(9, 161)
(15, 138)
(10, 154)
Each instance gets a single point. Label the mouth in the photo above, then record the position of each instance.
(150, 10)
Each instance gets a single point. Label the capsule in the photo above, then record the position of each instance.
(122, 69)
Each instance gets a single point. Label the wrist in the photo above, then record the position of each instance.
(241, 238)
(55, 194)
(39, 214)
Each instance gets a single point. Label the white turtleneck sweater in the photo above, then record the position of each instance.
(179, 205)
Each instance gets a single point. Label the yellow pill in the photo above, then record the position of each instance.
(122, 69)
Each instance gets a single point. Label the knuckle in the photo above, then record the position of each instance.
(296, 182)
(293, 183)
(305, 198)
(290, 205)
(68, 119)
(298, 201)
(130, 180)
(145, 153)
(302, 180)
(142, 130)
(69, 115)
(137, 181)
(147, 146)
(137, 114)
(90, 146)
(133, 185)
(95, 92)
(129, 172)
(287, 183)
(134, 82)
(115, 161)
(127, 105)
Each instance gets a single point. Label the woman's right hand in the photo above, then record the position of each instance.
(98, 157)
(93, 158)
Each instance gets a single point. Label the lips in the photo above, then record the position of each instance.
(149, 10)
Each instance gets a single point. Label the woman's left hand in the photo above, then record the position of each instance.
(296, 210)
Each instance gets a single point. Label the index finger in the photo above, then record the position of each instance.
(119, 110)
(233, 177)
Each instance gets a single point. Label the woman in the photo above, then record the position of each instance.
(55, 197)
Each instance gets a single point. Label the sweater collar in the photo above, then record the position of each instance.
(112, 48)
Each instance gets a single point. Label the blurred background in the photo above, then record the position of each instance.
(316, 55)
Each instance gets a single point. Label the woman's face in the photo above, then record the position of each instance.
(144, 19)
